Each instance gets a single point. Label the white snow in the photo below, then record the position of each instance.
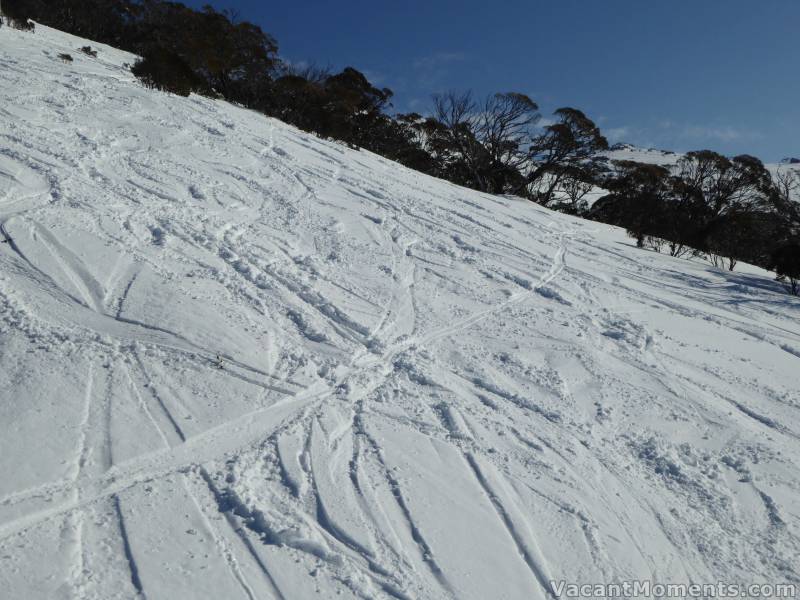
(237, 361)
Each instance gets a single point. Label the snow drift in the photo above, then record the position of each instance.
(237, 361)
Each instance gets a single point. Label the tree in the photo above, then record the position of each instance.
(298, 101)
(708, 187)
(228, 54)
(638, 200)
(162, 69)
(234, 58)
(572, 190)
(18, 14)
(565, 148)
(504, 125)
(489, 139)
(405, 142)
(355, 108)
(784, 198)
(740, 235)
(786, 262)
(715, 184)
(434, 138)
(343, 106)
(457, 113)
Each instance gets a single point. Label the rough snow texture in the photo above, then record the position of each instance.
(237, 361)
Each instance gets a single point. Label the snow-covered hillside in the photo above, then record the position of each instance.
(668, 158)
(237, 361)
(664, 158)
(643, 155)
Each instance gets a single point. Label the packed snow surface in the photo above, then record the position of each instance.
(238, 361)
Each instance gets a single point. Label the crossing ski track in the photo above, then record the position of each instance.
(238, 361)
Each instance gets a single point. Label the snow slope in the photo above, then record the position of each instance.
(237, 361)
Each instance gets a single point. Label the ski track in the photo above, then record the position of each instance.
(351, 379)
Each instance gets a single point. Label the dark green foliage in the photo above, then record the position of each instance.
(353, 108)
(730, 210)
(639, 195)
(741, 235)
(18, 14)
(234, 60)
(67, 58)
(164, 70)
(786, 262)
(100, 20)
(347, 107)
(87, 50)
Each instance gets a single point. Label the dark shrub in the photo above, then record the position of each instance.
(164, 70)
(17, 14)
(87, 50)
(749, 236)
(65, 57)
(786, 262)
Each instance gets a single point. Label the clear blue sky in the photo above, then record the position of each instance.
(677, 74)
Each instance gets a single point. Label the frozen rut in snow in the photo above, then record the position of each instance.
(237, 361)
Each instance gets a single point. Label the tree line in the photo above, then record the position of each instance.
(728, 209)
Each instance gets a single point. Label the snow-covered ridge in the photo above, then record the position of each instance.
(649, 156)
(664, 158)
(668, 158)
(237, 361)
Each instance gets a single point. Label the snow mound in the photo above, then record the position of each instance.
(237, 361)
